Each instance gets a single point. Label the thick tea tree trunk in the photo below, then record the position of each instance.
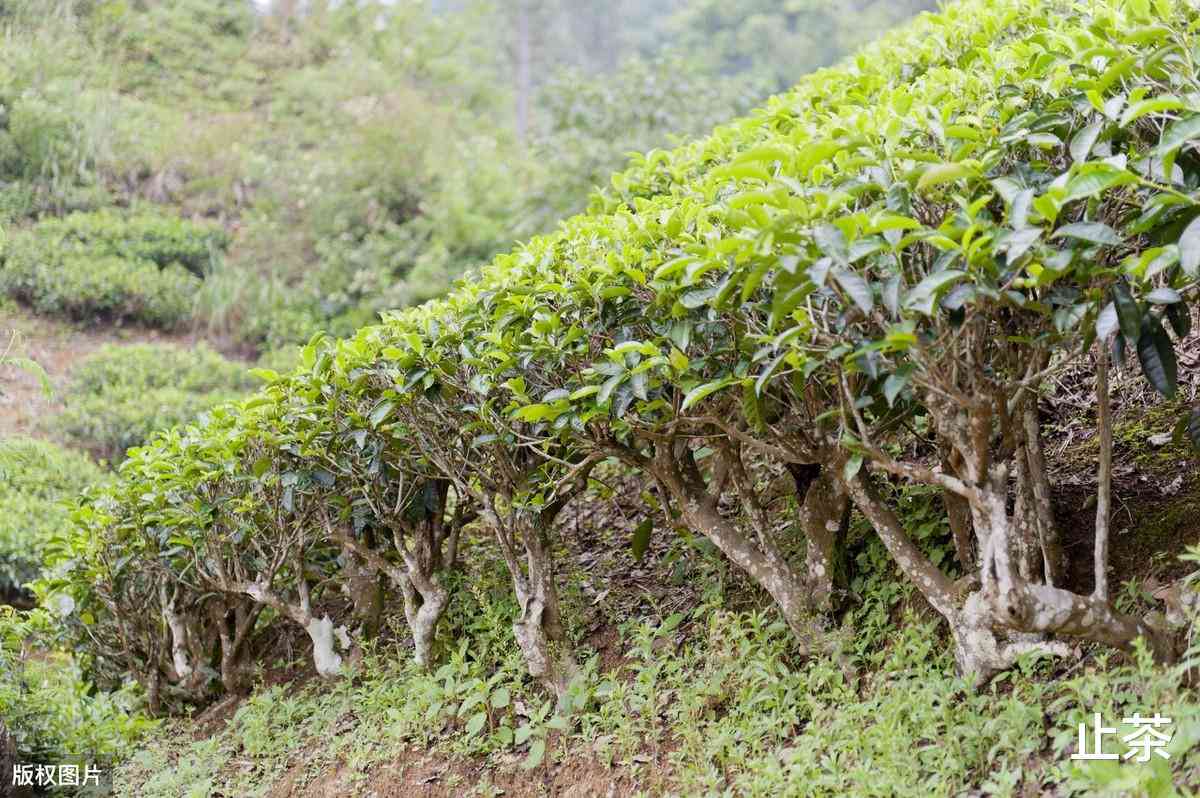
(1009, 615)
(978, 651)
(524, 538)
(755, 551)
(363, 587)
(425, 601)
(235, 619)
(823, 515)
(321, 631)
(427, 548)
(8, 757)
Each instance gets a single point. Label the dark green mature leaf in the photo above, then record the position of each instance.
(922, 297)
(832, 244)
(1083, 141)
(381, 412)
(1093, 232)
(694, 299)
(819, 271)
(641, 539)
(1096, 178)
(1164, 296)
(1107, 322)
(1018, 242)
(1128, 312)
(894, 384)
(608, 387)
(475, 724)
(1157, 357)
(1180, 318)
(537, 751)
(891, 294)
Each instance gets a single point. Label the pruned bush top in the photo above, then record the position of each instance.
(144, 268)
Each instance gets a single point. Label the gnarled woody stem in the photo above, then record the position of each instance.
(1006, 603)
(758, 555)
(320, 631)
(1104, 475)
(824, 519)
(425, 598)
(538, 629)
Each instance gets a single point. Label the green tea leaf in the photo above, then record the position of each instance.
(1092, 232)
(1157, 356)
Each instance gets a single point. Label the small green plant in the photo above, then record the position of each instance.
(8, 360)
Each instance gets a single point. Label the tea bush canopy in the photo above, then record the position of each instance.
(867, 282)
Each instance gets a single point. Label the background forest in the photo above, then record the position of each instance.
(199, 197)
(351, 157)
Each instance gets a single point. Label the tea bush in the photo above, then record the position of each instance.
(37, 480)
(850, 299)
(121, 394)
(139, 236)
(63, 281)
(144, 267)
(54, 716)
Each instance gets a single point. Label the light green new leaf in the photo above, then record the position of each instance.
(945, 173)
(679, 361)
(852, 467)
(1153, 106)
(641, 539)
(701, 391)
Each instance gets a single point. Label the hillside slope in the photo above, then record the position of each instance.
(847, 450)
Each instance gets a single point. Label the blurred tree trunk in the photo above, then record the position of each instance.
(8, 757)
(524, 68)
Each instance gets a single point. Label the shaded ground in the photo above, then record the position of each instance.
(417, 774)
